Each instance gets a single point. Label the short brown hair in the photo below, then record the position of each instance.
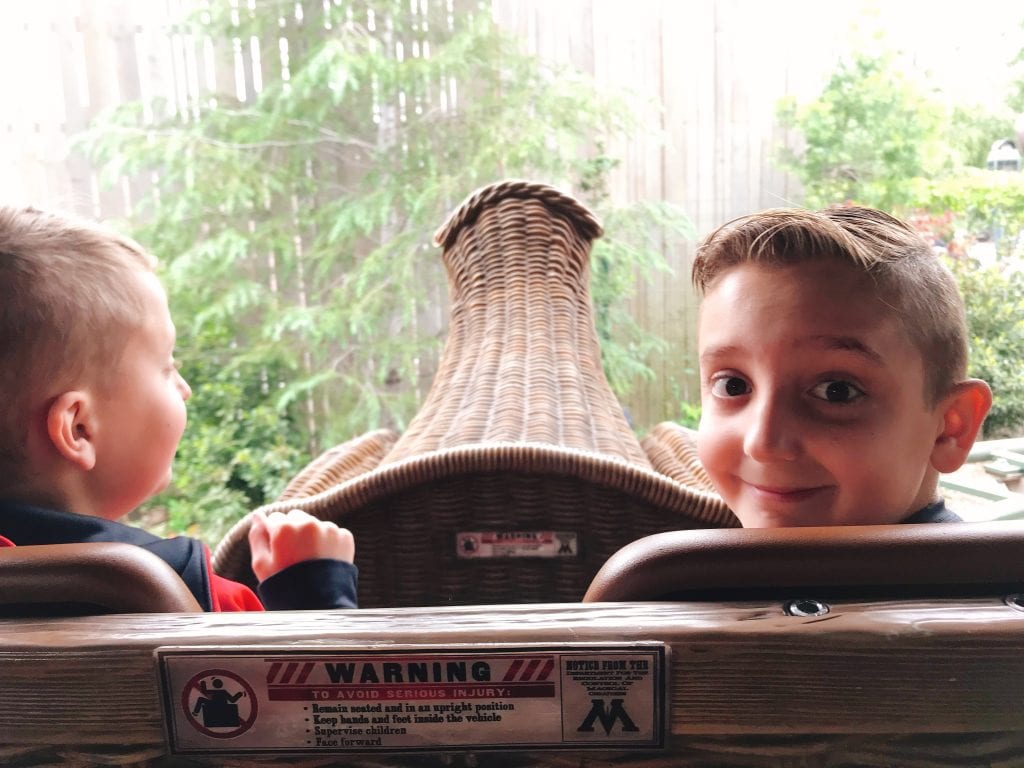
(65, 292)
(908, 275)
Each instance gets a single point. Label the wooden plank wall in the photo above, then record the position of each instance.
(65, 62)
(706, 74)
(710, 75)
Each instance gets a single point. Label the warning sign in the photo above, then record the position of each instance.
(217, 709)
(604, 687)
(493, 544)
(309, 701)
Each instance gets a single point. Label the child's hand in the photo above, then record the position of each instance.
(282, 539)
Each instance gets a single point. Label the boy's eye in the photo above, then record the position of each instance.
(837, 392)
(730, 386)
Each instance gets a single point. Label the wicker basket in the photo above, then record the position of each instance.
(520, 475)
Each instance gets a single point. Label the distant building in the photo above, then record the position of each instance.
(1003, 156)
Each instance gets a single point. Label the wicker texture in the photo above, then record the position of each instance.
(340, 463)
(521, 362)
(519, 432)
(672, 449)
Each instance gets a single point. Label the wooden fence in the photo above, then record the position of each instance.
(706, 72)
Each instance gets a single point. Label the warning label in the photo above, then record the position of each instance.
(493, 544)
(300, 701)
(219, 710)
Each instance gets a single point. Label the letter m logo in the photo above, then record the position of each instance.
(608, 717)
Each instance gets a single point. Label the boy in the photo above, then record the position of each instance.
(93, 408)
(833, 357)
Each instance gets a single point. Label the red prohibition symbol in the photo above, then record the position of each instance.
(219, 703)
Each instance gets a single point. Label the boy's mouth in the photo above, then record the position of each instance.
(790, 494)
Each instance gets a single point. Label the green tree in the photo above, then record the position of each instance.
(869, 133)
(973, 129)
(238, 450)
(294, 223)
(995, 318)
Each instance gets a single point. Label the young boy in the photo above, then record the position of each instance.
(93, 408)
(833, 358)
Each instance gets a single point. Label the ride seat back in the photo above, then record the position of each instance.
(871, 561)
(82, 579)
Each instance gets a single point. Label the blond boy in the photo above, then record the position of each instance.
(93, 408)
(833, 360)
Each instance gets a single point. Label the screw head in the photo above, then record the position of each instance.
(805, 606)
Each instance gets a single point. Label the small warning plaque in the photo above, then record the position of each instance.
(494, 544)
(309, 701)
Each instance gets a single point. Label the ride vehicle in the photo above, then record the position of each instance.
(539, 588)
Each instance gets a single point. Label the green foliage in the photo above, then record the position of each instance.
(868, 133)
(295, 224)
(972, 131)
(238, 450)
(689, 411)
(995, 316)
(689, 414)
(983, 203)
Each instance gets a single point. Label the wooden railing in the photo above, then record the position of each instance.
(867, 646)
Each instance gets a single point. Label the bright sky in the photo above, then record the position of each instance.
(967, 45)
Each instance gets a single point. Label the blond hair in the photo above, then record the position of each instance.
(65, 294)
(908, 275)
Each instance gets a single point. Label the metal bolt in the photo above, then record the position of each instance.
(805, 607)
(1015, 601)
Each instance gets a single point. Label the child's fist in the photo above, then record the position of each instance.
(281, 539)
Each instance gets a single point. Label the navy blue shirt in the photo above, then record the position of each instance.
(324, 583)
(935, 512)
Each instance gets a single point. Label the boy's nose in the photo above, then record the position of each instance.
(184, 388)
(773, 432)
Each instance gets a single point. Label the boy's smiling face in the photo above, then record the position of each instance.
(813, 399)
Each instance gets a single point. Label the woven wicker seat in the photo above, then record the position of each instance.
(520, 436)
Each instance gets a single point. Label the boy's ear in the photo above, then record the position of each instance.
(69, 425)
(963, 411)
